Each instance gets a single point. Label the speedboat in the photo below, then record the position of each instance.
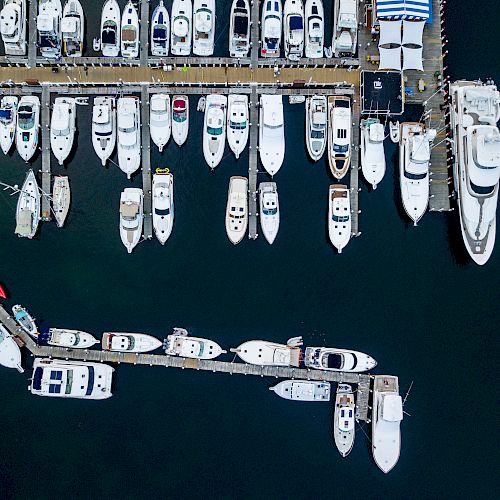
(73, 28)
(265, 353)
(214, 129)
(302, 390)
(180, 119)
(160, 31)
(203, 27)
(159, 119)
(237, 123)
(180, 344)
(131, 217)
(163, 205)
(28, 208)
(394, 131)
(372, 151)
(72, 339)
(271, 28)
(338, 360)
(237, 209)
(48, 23)
(130, 31)
(61, 199)
(71, 379)
(181, 29)
(387, 415)
(271, 133)
(104, 127)
(25, 320)
(316, 128)
(344, 419)
(345, 31)
(129, 134)
(28, 123)
(239, 28)
(8, 121)
(10, 354)
(13, 27)
(129, 342)
(62, 127)
(339, 135)
(339, 216)
(269, 210)
(110, 29)
(314, 28)
(293, 19)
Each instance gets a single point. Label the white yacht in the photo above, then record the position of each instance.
(129, 342)
(271, 28)
(61, 199)
(372, 151)
(344, 419)
(269, 210)
(394, 129)
(180, 119)
(8, 122)
(181, 29)
(104, 127)
(73, 28)
(28, 125)
(239, 28)
(25, 320)
(160, 118)
(339, 135)
(314, 27)
(214, 129)
(302, 390)
(48, 23)
(130, 31)
(131, 217)
(71, 339)
(71, 379)
(238, 123)
(475, 111)
(10, 354)
(13, 27)
(387, 415)
(203, 27)
(265, 353)
(129, 134)
(160, 31)
(180, 344)
(110, 29)
(293, 27)
(345, 32)
(62, 127)
(163, 205)
(237, 209)
(271, 133)
(28, 208)
(339, 216)
(316, 126)
(338, 360)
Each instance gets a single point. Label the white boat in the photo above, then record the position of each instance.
(237, 209)
(131, 217)
(48, 23)
(160, 31)
(271, 28)
(338, 360)
(110, 29)
(13, 27)
(344, 422)
(61, 199)
(130, 31)
(372, 151)
(269, 210)
(271, 133)
(104, 127)
(10, 354)
(296, 99)
(181, 29)
(239, 28)
(28, 208)
(129, 134)
(25, 320)
(62, 127)
(160, 117)
(28, 124)
(339, 135)
(237, 123)
(129, 342)
(71, 379)
(214, 129)
(387, 415)
(265, 353)
(203, 27)
(8, 122)
(302, 390)
(475, 111)
(293, 27)
(163, 205)
(339, 216)
(71, 339)
(73, 28)
(180, 119)
(345, 31)
(316, 126)
(314, 27)
(180, 344)
(394, 131)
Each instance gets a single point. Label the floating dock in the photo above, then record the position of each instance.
(46, 171)
(146, 164)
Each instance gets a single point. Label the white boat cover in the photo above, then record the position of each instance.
(412, 59)
(403, 9)
(413, 32)
(392, 410)
(390, 58)
(390, 33)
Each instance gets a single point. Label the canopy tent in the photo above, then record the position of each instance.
(412, 59)
(390, 58)
(403, 9)
(390, 33)
(413, 32)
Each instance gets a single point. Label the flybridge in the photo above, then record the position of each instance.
(405, 9)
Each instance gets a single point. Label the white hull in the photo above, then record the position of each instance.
(302, 390)
(163, 206)
(130, 32)
(394, 129)
(62, 127)
(338, 360)
(339, 216)
(13, 27)
(339, 135)
(264, 353)
(271, 28)
(293, 20)
(131, 217)
(61, 199)
(8, 122)
(372, 151)
(316, 126)
(203, 27)
(104, 127)
(129, 342)
(49, 28)
(192, 347)
(344, 419)
(71, 339)
(110, 29)
(181, 29)
(214, 129)
(314, 27)
(25, 320)
(28, 124)
(160, 117)
(180, 119)
(129, 134)
(237, 209)
(73, 28)
(160, 31)
(237, 123)
(10, 354)
(28, 208)
(269, 210)
(271, 133)
(345, 31)
(239, 28)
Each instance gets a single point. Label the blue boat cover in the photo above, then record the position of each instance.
(296, 23)
(241, 25)
(404, 9)
(5, 113)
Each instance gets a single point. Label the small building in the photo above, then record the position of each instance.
(382, 92)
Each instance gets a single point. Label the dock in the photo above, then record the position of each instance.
(46, 172)
(354, 170)
(32, 34)
(146, 163)
(253, 164)
(254, 34)
(144, 33)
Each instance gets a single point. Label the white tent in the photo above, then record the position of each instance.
(390, 58)
(390, 33)
(412, 59)
(413, 33)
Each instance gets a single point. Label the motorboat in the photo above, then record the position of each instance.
(180, 119)
(338, 360)
(238, 123)
(239, 28)
(293, 27)
(104, 127)
(13, 27)
(62, 127)
(237, 209)
(181, 28)
(180, 344)
(271, 28)
(316, 126)
(163, 205)
(302, 390)
(339, 135)
(71, 379)
(129, 342)
(131, 217)
(10, 354)
(160, 118)
(265, 353)
(214, 129)
(129, 134)
(387, 415)
(372, 151)
(28, 208)
(394, 131)
(28, 124)
(8, 122)
(269, 210)
(345, 31)
(110, 29)
(339, 216)
(314, 29)
(475, 111)
(271, 133)
(25, 320)
(71, 339)
(130, 31)
(344, 422)
(203, 27)
(160, 31)
(61, 199)
(73, 28)
(48, 23)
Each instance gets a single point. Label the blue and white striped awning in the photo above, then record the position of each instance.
(403, 9)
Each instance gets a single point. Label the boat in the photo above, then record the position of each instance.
(8, 122)
(163, 205)
(394, 131)
(96, 44)
(265, 353)
(28, 124)
(269, 210)
(61, 199)
(160, 31)
(160, 118)
(131, 217)
(129, 134)
(214, 129)
(239, 28)
(314, 29)
(71, 379)
(62, 127)
(10, 354)
(338, 360)
(345, 31)
(203, 27)
(237, 123)
(104, 127)
(48, 23)
(25, 320)
(344, 419)
(28, 208)
(387, 415)
(271, 133)
(237, 209)
(130, 32)
(339, 135)
(71, 339)
(110, 29)
(339, 216)
(3, 291)
(316, 128)
(181, 28)
(202, 101)
(271, 28)
(475, 111)
(302, 390)
(372, 151)
(73, 28)
(129, 342)
(296, 99)
(13, 27)
(180, 344)
(293, 21)
(180, 119)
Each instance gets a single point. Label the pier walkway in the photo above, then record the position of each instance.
(32, 35)
(253, 164)
(144, 33)
(46, 171)
(146, 163)
(354, 170)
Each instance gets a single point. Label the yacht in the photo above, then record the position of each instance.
(316, 127)
(73, 28)
(129, 342)
(131, 217)
(160, 118)
(372, 151)
(237, 123)
(203, 27)
(13, 27)
(8, 122)
(71, 379)
(160, 31)
(394, 131)
(181, 29)
(130, 31)
(237, 209)
(110, 29)
(71, 339)
(104, 127)
(10, 354)
(271, 28)
(239, 28)
(302, 390)
(339, 135)
(28, 208)
(180, 344)
(387, 415)
(129, 134)
(62, 127)
(61, 199)
(214, 129)
(25, 320)
(180, 119)
(344, 419)
(345, 32)
(475, 110)
(271, 133)
(314, 29)
(339, 216)
(28, 124)
(338, 360)
(265, 353)
(269, 210)
(48, 23)
(293, 20)
(163, 205)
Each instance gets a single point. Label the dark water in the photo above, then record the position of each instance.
(408, 296)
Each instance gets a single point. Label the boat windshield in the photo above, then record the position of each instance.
(341, 218)
(159, 34)
(341, 149)
(270, 211)
(127, 130)
(179, 116)
(214, 130)
(238, 126)
(334, 361)
(481, 190)
(61, 133)
(159, 211)
(317, 134)
(415, 177)
(26, 118)
(108, 36)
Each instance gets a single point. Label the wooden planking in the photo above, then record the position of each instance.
(144, 33)
(146, 163)
(253, 164)
(46, 173)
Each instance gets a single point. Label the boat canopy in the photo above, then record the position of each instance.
(392, 410)
(8, 19)
(390, 58)
(241, 25)
(296, 22)
(109, 35)
(413, 33)
(69, 25)
(5, 114)
(100, 114)
(390, 33)
(181, 26)
(129, 209)
(159, 33)
(45, 22)
(159, 105)
(412, 59)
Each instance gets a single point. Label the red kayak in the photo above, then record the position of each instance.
(3, 292)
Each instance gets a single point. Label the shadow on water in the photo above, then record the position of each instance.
(456, 244)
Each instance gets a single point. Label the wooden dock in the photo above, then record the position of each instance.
(32, 35)
(144, 33)
(146, 163)
(46, 171)
(253, 164)
(254, 34)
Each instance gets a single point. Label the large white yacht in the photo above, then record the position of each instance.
(8, 122)
(160, 118)
(302, 390)
(269, 210)
(338, 360)
(48, 23)
(104, 127)
(129, 134)
(13, 27)
(316, 126)
(130, 31)
(25, 320)
(345, 32)
(214, 129)
(28, 208)
(237, 123)
(10, 354)
(62, 127)
(372, 151)
(344, 419)
(339, 216)
(237, 209)
(131, 217)
(71, 339)
(180, 344)
(160, 31)
(180, 118)
(129, 342)
(271, 133)
(28, 125)
(181, 29)
(163, 205)
(110, 28)
(475, 111)
(387, 415)
(265, 353)
(339, 135)
(73, 28)
(203, 27)
(271, 28)
(314, 26)
(239, 28)
(61, 199)
(293, 27)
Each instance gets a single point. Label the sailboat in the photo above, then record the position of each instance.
(61, 199)
(28, 208)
